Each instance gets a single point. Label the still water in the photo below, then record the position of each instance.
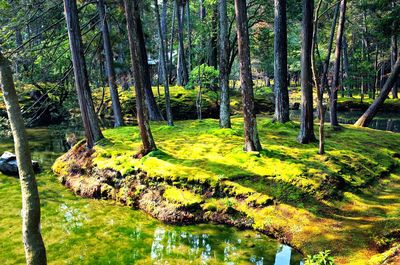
(83, 231)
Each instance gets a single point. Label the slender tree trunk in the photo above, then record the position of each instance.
(376, 72)
(252, 141)
(182, 72)
(330, 44)
(35, 252)
(280, 63)
(346, 66)
(393, 59)
(370, 113)
(213, 54)
(135, 33)
(189, 32)
(307, 118)
(153, 111)
(171, 48)
(116, 105)
(336, 70)
(89, 117)
(319, 87)
(224, 115)
(164, 65)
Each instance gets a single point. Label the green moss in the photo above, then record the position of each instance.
(182, 197)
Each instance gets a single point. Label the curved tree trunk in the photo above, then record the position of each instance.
(116, 105)
(134, 28)
(224, 114)
(35, 251)
(369, 114)
(252, 141)
(164, 65)
(306, 117)
(280, 63)
(89, 117)
(336, 70)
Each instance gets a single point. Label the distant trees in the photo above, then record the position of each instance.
(182, 71)
(116, 105)
(138, 52)
(89, 117)
(280, 63)
(224, 116)
(252, 141)
(35, 251)
(306, 117)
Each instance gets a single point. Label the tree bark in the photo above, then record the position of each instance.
(346, 66)
(306, 117)
(116, 105)
(336, 70)
(35, 252)
(369, 114)
(135, 33)
(182, 72)
(153, 111)
(189, 32)
(213, 50)
(252, 141)
(280, 63)
(224, 115)
(393, 59)
(164, 65)
(89, 117)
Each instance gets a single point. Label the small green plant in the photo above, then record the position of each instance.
(321, 258)
(205, 76)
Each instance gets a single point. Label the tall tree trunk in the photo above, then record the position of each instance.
(306, 117)
(171, 45)
(182, 72)
(393, 59)
(280, 63)
(319, 87)
(376, 84)
(213, 50)
(35, 252)
(346, 66)
(163, 65)
(252, 141)
(135, 33)
(224, 115)
(336, 70)
(369, 114)
(152, 108)
(89, 117)
(189, 32)
(116, 105)
(327, 60)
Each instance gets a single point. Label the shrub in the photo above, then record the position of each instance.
(322, 258)
(205, 76)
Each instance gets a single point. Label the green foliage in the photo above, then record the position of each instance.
(321, 258)
(204, 76)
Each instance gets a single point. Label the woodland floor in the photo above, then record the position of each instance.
(347, 200)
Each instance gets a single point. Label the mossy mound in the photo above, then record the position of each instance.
(183, 102)
(200, 173)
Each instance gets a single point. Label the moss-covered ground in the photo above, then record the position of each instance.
(347, 200)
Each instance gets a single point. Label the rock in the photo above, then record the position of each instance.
(8, 164)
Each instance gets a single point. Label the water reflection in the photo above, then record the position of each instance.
(225, 248)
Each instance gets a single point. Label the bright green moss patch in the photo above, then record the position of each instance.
(182, 197)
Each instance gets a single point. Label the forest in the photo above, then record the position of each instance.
(200, 132)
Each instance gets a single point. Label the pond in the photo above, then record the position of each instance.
(84, 231)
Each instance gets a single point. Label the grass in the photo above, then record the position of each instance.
(321, 202)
